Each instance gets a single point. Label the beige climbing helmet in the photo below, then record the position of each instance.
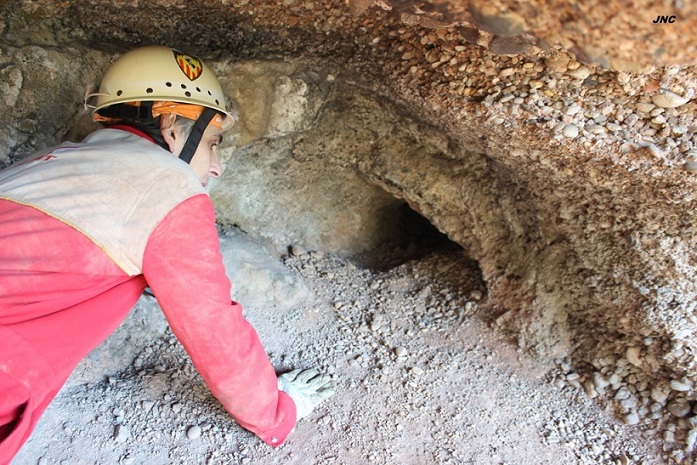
(158, 73)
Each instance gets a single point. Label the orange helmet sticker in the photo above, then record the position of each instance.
(191, 66)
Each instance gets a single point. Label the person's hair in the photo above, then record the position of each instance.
(126, 115)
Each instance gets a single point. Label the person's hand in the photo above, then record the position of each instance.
(308, 388)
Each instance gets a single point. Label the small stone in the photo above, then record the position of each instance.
(508, 46)
(572, 109)
(599, 380)
(120, 433)
(622, 393)
(589, 389)
(417, 371)
(147, 405)
(667, 99)
(632, 418)
(297, 250)
(400, 352)
(680, 386)
(595, 129)
(194, 432)
(632, 119)
(570, 131)
(558, 63)
(691, 440)
(679, 409)
(634, 356)
(660, 119)
(470, 34)
(660, 394)
(645, 107)
(579, 73)
(690, 166)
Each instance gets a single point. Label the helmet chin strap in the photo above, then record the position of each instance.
(197, 131)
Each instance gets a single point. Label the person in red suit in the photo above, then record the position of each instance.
(85, 227)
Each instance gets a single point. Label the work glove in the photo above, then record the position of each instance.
(308, 388)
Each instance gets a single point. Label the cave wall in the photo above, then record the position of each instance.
(568, 175)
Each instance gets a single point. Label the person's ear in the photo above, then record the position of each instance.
(169, 130)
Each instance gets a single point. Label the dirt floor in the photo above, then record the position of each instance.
(421, 380)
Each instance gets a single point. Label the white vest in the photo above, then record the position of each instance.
(114, 187)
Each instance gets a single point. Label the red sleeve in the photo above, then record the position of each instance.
(184, 268)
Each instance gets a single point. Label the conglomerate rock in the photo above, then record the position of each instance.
(572, 184)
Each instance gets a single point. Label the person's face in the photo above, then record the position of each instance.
(205, 162)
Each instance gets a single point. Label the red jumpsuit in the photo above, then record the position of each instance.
(61, 295)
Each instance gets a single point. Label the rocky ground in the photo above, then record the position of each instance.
(422, 380)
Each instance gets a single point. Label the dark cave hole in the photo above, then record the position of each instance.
(415, 238)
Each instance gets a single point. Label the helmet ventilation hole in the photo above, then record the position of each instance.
(149, 90)
(168, 84)
(198, 90)
(118, 93)
(183, 86)
(187, 93)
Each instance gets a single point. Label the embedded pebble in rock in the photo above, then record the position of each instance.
(595, 129)
(690, 166)
(667, 99)
(193, 432)
(579, 73)
(400, 352)
(681, 386)
(660, 394)
(572, 109)
(632, 418)
(570, 131)
(634, 356)
(691, 440)
(645, 107)
(679, 409)
(589, 388)
(298, 250)
(600, 381)
(508, 45)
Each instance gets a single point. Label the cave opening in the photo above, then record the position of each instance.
(414, 238)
